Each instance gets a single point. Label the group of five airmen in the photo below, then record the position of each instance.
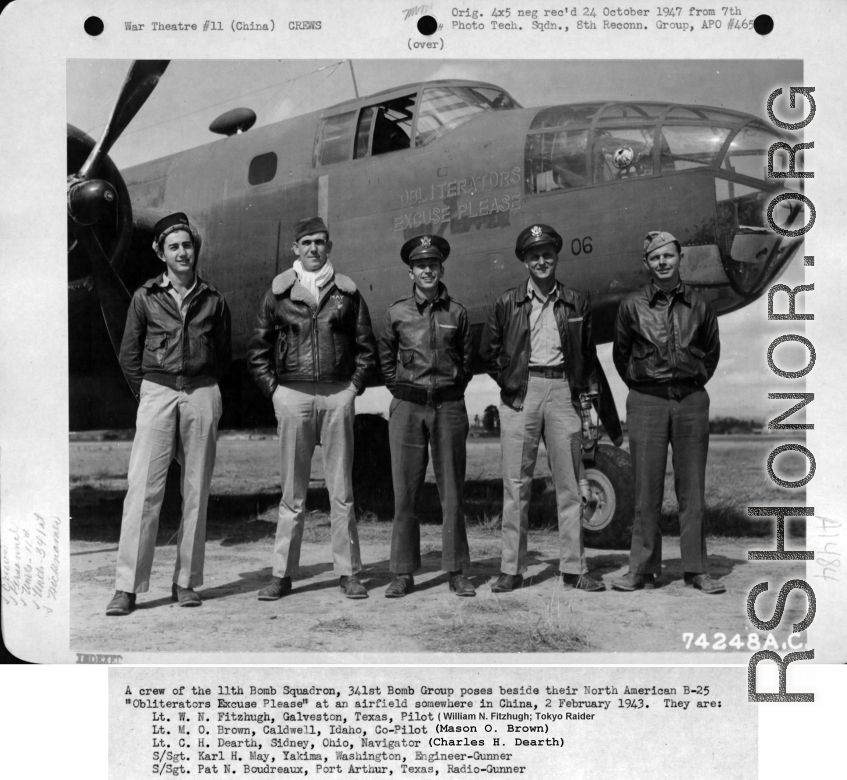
(313, 351)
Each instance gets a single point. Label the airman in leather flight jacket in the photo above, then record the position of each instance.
(160, 347)
(665, 348)
(426, 349)
(296, 340)
(506, 346)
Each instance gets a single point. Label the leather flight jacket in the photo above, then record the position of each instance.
(160, 347)
(666, 346)
(426, 349)
(506, 343)
(298, 339)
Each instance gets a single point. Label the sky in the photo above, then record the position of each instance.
(192, 93)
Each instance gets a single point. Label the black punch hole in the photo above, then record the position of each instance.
(763, 24)
(427, 25)
(93, 25)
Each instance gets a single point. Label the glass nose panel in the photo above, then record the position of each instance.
(690, 146)
(623, 153)
(751, 253)
(747, 154)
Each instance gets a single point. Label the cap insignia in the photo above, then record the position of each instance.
(426, 241)
(536, 230)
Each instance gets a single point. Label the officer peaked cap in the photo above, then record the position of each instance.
(425, 246)
(305, 227)
(534, 235)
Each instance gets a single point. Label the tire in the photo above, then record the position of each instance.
(373, 490)
(612, 482)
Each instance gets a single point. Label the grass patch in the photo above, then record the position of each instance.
(339, 625)
(526, 623)
(726, 518)
(492, 522)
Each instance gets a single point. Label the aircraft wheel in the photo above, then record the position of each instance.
(612, 484)
(372, 487)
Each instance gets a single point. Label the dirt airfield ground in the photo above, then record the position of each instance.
(541, 617)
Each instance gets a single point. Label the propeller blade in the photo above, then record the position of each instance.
(606, 409)
(114, 297)
(141, 80)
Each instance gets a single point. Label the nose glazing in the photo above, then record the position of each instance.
(752, 253)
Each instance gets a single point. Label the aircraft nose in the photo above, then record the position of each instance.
(752, 254)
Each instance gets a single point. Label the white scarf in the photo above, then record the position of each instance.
(312, 280)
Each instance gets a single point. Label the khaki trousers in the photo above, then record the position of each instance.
(181, 423)
(547, 413)
(307, 412)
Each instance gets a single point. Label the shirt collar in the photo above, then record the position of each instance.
(421, 299)
(681, 288)
(533, 291)
(165, 282)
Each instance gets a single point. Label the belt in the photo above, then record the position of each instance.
(668, 389)
(180, 381)
(548, 373)
(420, 395)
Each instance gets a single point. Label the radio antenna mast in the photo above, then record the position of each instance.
(353, 74)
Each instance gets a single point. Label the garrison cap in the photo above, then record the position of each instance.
(170, 224)
(656, 238)
(305, 227)
(425, 246)
(535, 235)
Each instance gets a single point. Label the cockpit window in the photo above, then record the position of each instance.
(618, 111)
(714, 114)
(685, 112)
(335, 139)
(443, 108)
(555, 161)
(385, 127)
(377, 129)
(564, 116)
(690, 146)
(363, 132)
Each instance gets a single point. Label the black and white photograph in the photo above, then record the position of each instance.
(462, 381)
(449, 469)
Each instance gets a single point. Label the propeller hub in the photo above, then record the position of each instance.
(90, 201)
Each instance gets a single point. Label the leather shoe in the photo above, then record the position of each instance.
(400, 586)
(352, 588)
(705, 583)
(275, 589)
(122, 603)
(582, 582)
(632, 581)
(461, 585)
(507, 583)
(185, 596)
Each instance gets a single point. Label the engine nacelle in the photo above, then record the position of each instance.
(102, 202)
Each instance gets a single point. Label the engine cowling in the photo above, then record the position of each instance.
(91, 206)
